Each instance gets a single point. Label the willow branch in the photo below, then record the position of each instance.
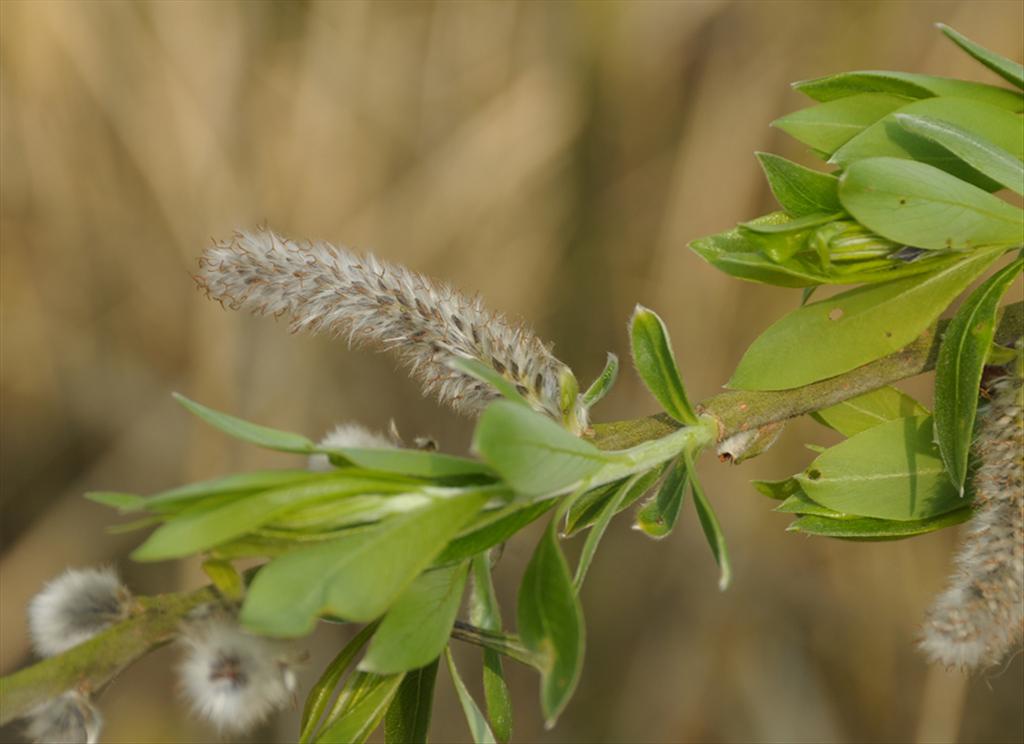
(154, 622)
(742, 410)
(91, 665)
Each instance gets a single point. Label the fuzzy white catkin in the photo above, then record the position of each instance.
(74, 607)
(348, 435)
(979, 619)
(233, 679)
(320, 287)
(68, 719)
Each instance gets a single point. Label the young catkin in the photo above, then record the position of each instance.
(979, 618)
(320, 287)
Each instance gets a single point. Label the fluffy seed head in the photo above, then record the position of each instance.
(348, 435)
(323, 288)
(74, 607)
(979, 618)
(233, 679)
(68, 719)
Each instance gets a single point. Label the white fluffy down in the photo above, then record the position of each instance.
(348, 435)
(233, 679)
(74, 607)
(68, 719)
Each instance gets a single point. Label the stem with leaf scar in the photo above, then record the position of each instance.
(154, 621)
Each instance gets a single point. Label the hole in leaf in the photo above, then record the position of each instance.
(835, 313)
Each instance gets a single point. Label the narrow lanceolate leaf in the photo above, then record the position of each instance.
(907, 84)
(370, 703)
(603, 384)
(587, 509)
(408, 718)
(478, 727)
(656, 363)
(531, 452)
(709, 523)
(320, 695)
(801, 503)
(610, 509)
(484, 613)
(415, 463)
(493, 528)
(962, 356)
(261, 436)
(778, 490)
(1007, 69)
(865, 528)
(356, 577)
(658, 516)
(922, 206)
(828, 126)
(192, 532)
(870, 409)
(799, 190)
(890, 471)
(982, 154)
(550, 623)
(832, 336)
(415, 630)
(886, 138)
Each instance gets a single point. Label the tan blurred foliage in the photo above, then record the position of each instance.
(555, 157)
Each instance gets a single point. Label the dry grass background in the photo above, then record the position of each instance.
(556, 157)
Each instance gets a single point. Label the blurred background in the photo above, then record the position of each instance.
(556, 158)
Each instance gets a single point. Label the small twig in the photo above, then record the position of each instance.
(742, 410)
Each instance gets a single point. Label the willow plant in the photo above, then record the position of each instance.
(368, 531)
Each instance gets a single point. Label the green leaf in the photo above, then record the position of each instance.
(985, 156)
(531, 452)
(492, 528)
(1007, 69)
(237, 483)
(356, 577)
(370, 703)
(484, 613)
(779, 490)
(922, 206)
(654, 360)
(408, 717)
(736, 253)
(611, 508)
(828, 126)
(550, 623)
(906, 84)
(190, 533)
(890, 471)
(801, 503)
(416, 463)
(587, 509)
(261, 436)
(870, 409)
(826, 338)
(887, 138)
(865, 528)
(962, 355)
(709, 523)
(123, 502)
(415, 630)
(320, 695)
(225, 578)
(799, 190)
(658, 516)
(477, 369)
(478, 727)
(603, 384)
(783, 241)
